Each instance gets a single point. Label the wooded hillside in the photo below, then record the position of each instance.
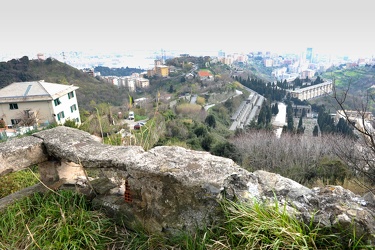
(90, 89)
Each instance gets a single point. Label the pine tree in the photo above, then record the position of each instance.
(300, 128)
(289, 115)
(316, 131)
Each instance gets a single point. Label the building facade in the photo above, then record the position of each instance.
(312, 91)
(161, 70)
(39, 102)
(309, 54)
(268, 62)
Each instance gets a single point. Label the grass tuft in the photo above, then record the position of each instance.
(54, 221)
(260, 225)
(17, 181)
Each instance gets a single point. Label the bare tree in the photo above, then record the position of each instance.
(362, 155)
(28, 117)
(301, 158)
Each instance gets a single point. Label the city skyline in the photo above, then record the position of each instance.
(193, 26)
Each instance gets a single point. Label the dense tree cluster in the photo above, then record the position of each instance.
(197, 135)
(269, 90)
(105, 71)
(327, 124)
(265, 115)
(275, 109)
(183, 61)
(51, 70)
(15, 70)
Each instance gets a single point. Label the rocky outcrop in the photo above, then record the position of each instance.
(20, 153)
(331, 206)
(168, 189)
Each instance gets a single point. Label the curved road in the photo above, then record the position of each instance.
(280, 119)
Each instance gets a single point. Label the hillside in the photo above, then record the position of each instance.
(356, 80)
(106, 71)
(51, 70)
(360, 78)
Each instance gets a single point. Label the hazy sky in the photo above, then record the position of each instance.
(329, 26)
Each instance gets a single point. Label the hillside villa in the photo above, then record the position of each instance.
(38, 103)
(205, 75)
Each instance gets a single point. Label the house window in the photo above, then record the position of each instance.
(77, 120)
(60, 115)
(15, 121)
(70, 95)
(73, 108)
(57, 101)
(13, 106)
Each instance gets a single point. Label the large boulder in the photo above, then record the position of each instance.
(17, 154)
(170, 188)
(329, 206)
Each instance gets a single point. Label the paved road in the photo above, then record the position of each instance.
(131, 123)
(280, 119)
(193, 99)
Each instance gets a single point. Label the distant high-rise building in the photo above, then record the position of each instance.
(221, 53)
(309, 54)
(163, 56)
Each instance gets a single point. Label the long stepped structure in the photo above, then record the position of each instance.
(247, 111)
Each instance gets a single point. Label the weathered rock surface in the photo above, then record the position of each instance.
(171, 188)
(331, 206)
(20, 153)
(81, 147)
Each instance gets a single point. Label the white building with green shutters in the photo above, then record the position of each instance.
(38, 101)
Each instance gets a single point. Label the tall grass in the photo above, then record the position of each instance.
(261, 225)
(65, 220)
(148, 135)
(61, 220)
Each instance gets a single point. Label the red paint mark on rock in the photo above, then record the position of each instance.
(128, 197)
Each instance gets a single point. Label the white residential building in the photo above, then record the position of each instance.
(131, 82)
(44, 102)
(268, 62)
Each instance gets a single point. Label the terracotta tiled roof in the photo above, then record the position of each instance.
(204, 73)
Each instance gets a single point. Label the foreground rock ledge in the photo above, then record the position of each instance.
(169, 189)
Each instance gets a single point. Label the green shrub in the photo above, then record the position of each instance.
(17, 181)
(226, 149)
(332, 171)
(207, 142)
(2, 124)
(201, 130)
(70, 123)
(188, 109)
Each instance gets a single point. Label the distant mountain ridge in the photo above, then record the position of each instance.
(51, 70)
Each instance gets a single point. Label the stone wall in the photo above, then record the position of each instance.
(167, 189)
